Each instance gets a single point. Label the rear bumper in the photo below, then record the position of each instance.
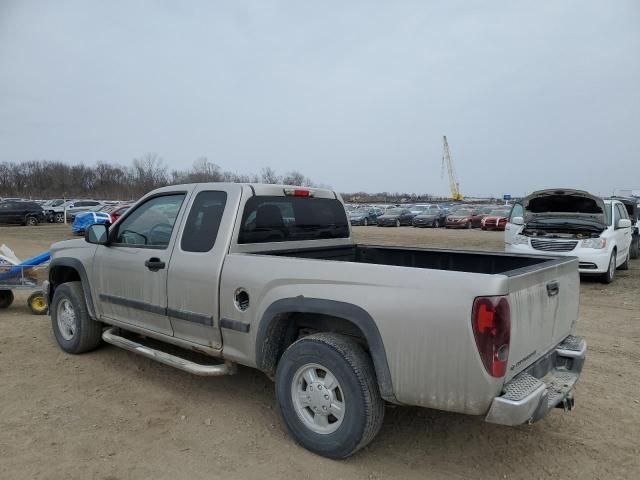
(546, 384)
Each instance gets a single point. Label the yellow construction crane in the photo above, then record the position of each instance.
(454, 186)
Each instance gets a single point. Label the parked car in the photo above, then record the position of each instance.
(71, 215)
(395, 217)
(568, 222)
(340, 327)
(365, 216)
(84, 220)
(418, 209)
(117, 211)
(432, 216)
(82, 206)
(464, 218)
(21, 213)
(56, 214)
(633, 209)
(56, 211)
(495, 220)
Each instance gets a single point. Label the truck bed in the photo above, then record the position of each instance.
(438, 259)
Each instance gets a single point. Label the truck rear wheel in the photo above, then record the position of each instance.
(328, 395)
(74, 330)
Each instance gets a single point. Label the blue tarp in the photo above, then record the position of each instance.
(15, 272)
(85, 220)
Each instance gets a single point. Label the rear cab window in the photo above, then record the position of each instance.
(291, 218)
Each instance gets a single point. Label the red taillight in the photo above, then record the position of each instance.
(491, 322)
(298, 192)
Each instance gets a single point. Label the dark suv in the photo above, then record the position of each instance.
(21, 213)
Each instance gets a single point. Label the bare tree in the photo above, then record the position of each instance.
(54, 179)
(268, 175)
(294, 178)
(149, 172)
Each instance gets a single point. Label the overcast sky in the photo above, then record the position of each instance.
(356, 95)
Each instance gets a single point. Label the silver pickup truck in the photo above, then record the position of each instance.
(203, 277)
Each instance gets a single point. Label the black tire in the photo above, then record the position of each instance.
(6, 298)
(625, 265)
(469, 226)
(610, 275)
(58, 218)
(31, 221)
(87, 333)
(365, 222)
(635, 247)
(353, 369)
(37, 303)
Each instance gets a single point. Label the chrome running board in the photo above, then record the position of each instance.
(226, 368)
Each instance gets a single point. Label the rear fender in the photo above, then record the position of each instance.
(349, 312)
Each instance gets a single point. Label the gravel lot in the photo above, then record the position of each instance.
(112, 415)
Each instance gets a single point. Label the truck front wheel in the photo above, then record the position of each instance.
(74, 330)
(328, 395)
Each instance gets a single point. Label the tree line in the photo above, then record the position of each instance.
(40, 179)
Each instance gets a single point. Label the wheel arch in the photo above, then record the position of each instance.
(62, 270)
(279, 325)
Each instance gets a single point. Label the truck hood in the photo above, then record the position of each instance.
(566, 204)
(68, 245)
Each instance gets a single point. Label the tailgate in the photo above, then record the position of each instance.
(544, 310)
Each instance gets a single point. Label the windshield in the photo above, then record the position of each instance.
(420, 208)
(463, 212)
(284, 219)
(499, 213)
(394, 211)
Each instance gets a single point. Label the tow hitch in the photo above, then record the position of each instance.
(567, 404)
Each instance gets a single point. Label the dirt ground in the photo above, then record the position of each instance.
(112, 415)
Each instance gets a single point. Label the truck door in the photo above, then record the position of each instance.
(511, 229)
(130, 274)
(196, 264)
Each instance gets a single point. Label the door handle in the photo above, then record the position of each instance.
(154, 264)
(553, 288)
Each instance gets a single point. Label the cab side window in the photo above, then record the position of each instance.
(516, 211)
(201, 228)
(151, 224)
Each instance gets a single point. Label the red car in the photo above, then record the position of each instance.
(464, 218)
(496, 220)
(116, 211)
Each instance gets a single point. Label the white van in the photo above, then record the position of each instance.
(568, 222)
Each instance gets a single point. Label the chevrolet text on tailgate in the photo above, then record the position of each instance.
(268, 276)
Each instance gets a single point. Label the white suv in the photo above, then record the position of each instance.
(568, 222)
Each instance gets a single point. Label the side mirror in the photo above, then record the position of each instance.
(624, 223)
(97, 234)
(517, 221)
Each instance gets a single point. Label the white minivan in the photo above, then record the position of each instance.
(568, 222)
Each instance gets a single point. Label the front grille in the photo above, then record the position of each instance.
(552, 246)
